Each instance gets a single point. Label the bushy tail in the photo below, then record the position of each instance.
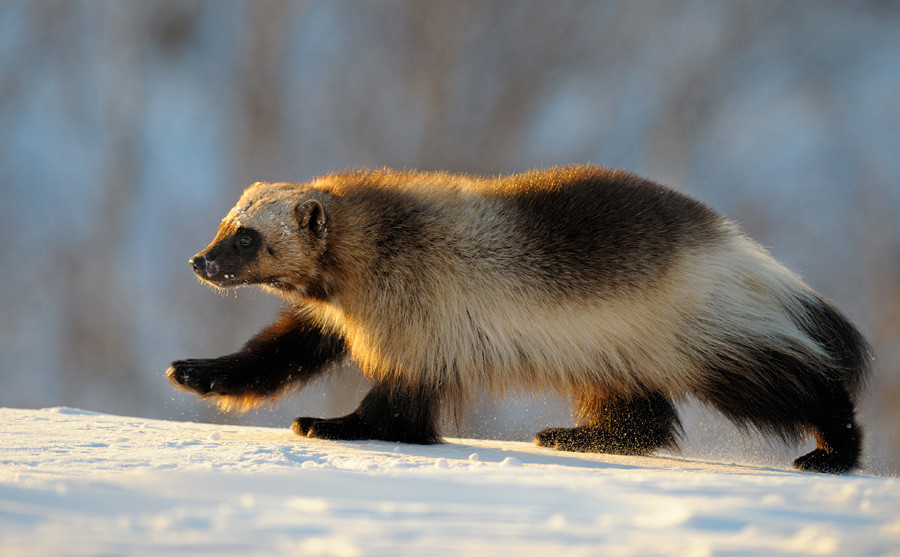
(849, 351)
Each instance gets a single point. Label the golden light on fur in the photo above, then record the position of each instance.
(595, 283)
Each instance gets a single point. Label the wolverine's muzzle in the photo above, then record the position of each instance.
(229, 260)
(198, 262)
(207, 268)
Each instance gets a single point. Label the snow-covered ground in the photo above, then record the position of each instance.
(79, 483)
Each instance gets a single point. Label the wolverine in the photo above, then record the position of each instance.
(619, 293)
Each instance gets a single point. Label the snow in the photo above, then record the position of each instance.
(80, 483)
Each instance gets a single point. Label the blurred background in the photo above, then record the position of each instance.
(128, 129)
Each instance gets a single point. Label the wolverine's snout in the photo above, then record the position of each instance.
(205, 266)
(198, 262)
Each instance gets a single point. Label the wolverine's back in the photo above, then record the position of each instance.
(619, 292)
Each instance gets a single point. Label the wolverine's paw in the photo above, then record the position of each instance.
(193, 376)
(825, 462)
(566, 439)
(589, 440)
(347, 428)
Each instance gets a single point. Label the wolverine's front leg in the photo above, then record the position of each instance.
(291, 350)
(392, 411)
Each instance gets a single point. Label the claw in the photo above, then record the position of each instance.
(179, 379)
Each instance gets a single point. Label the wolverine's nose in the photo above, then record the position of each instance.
(198, 262)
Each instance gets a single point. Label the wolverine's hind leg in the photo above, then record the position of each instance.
(631, 425)
(838, 438)
(391, 411)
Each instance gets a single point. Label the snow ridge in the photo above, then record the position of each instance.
(81, 483)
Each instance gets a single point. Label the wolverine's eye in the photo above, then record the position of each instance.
(245, 240)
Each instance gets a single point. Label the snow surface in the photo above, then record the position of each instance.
(79, 483)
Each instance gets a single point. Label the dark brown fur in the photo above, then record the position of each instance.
(617, 291)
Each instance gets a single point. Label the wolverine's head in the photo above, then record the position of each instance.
(274, 237)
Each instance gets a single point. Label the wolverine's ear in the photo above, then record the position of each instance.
(311, 214)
